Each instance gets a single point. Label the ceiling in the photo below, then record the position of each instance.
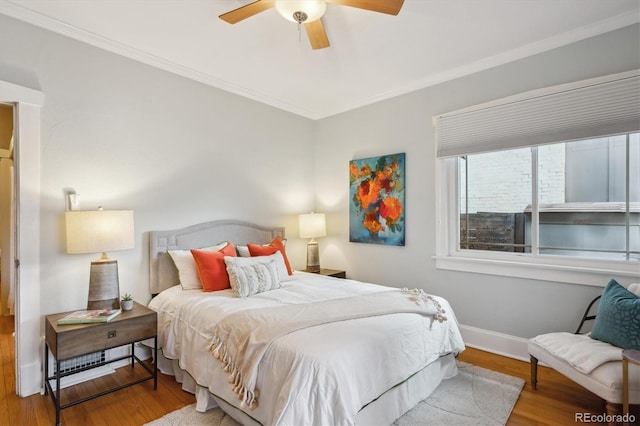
(372, 56)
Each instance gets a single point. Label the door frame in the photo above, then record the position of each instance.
(28, 347)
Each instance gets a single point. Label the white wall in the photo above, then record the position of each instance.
(124, 135)
(517, 307)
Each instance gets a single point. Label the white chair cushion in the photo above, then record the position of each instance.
(578, 350)
(604, 381)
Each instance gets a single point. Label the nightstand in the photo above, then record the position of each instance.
(70, 341)
(331, 273)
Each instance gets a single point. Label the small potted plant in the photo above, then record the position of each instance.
(127, 302)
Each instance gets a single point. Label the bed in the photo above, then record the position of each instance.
(368, 365)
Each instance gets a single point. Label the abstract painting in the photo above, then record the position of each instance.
(377, 205)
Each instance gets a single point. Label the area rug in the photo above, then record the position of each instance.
(476, 396)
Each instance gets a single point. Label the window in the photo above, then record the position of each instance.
(582, 199)
(494, 191)
(544, 185)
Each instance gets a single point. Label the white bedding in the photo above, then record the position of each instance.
(320, 375)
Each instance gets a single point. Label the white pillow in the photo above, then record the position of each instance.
(187, 268)
(252, 275)
(243, 251)
(283, 272)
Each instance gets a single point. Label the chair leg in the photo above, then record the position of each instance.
(534, 372)
(613, 410)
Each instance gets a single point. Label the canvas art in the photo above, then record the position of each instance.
(377, 205)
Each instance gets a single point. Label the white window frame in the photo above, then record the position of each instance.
(556, 268)
(489, 132)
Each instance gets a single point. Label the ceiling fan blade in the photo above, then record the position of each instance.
(390, 7)
(317, 34)
(246, 11)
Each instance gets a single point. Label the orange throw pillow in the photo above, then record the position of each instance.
(272, 247)
(212, 270)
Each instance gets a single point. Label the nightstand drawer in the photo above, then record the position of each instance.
(101, 336)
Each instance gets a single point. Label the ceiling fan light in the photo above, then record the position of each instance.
(314, 9)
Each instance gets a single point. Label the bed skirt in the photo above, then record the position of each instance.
(383, 411)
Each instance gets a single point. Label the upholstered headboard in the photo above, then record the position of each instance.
(162, 271)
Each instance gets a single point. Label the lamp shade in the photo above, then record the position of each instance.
(312, 225)
(314, 9)
(99, 231)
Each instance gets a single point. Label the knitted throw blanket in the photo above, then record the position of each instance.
(241, 339)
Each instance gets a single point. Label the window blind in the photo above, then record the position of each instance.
(587, 109)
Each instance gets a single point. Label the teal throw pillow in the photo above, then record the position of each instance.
(618, 318)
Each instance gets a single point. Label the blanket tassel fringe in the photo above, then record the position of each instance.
(420, 297)
(248, 398)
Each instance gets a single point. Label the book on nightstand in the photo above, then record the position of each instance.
(87, 317)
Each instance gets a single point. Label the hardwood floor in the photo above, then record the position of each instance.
(135, 405)
(555, 402)
(556, 399)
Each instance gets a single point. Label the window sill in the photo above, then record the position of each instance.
(574, 271)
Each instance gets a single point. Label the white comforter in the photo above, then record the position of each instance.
(319, 375)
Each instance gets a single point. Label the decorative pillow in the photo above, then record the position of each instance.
(252, 275)
(618, 318)
(187, 269)
(265, 250)
(283, 274)
(243, 251)
(212, 270)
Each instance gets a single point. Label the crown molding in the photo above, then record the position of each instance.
(31, 17)
(568, 37)
(27, 15)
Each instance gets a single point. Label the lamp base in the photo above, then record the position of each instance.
(313, 257)
(104, 288)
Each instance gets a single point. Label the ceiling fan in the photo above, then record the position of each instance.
(309, 12)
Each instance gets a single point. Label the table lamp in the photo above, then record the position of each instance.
(312, 225)
(100, 231)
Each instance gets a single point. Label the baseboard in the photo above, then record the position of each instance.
(494, 342)
(141, 351)
(31, 379)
